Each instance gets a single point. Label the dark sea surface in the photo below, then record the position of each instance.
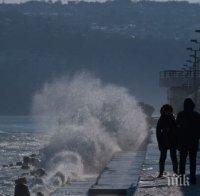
(19, 136)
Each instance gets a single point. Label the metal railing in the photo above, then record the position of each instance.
(169, 74)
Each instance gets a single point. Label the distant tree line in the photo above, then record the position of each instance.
(122, 42)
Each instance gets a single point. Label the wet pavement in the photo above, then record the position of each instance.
(76, 188)
(120, 176)
(131, 173)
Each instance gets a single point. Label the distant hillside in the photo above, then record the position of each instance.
(122, 42)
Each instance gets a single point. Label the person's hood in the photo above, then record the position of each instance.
(189, 105)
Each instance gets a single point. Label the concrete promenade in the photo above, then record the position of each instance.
(120, 176)
(76, 188)
(133, 173)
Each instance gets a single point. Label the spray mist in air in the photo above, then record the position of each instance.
(89, 121)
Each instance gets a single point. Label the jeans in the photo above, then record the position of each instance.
(163, 155)
(192, 157)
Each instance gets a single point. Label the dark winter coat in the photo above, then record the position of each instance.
(166, 132)
(188, 124)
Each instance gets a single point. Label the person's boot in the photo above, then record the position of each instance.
(175, 168)
(193, 180)
(161, 170)
(160, 175)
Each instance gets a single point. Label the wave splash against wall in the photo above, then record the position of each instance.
(89, 121)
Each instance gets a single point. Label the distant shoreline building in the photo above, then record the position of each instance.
(179, 84)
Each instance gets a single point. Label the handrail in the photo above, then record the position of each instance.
(178, 74)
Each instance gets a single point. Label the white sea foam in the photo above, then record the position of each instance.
(89, 121)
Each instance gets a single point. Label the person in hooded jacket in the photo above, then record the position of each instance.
(167, 138)
(188, 124)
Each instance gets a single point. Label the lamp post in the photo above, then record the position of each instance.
(195, 84)
(189, 61)
(197, 59)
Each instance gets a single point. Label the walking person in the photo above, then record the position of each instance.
(166, 137)
(188, 124)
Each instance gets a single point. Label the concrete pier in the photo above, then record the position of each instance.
(120, 176)
(133, 173)
(76, 188)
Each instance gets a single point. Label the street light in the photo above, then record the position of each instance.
(189, 61)
(194, 40)
(195, 70)
(190, 48)
(196, 66)
(193, 56)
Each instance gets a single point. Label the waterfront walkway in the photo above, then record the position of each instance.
(76, 188)
(131, 173)
(120, 176)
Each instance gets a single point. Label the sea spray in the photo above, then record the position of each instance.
(89, 121)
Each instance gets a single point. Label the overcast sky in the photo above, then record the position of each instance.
(65, 1)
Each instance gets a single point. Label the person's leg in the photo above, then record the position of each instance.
(193, 155)
(163, 155)
(174, 160)
(183, 156)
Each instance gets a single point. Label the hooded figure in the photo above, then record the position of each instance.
(188, 124)
(166, 137)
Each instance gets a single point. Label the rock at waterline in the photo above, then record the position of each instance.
(33, 155)
(58, 179)
(61, 176)
(19, 163)
(40, 194)
(25, 167)
(21, 189)
(38, 172)
(32, 160)
(26, 160)
(11, 165)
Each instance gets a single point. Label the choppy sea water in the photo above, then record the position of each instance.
(19, 136)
